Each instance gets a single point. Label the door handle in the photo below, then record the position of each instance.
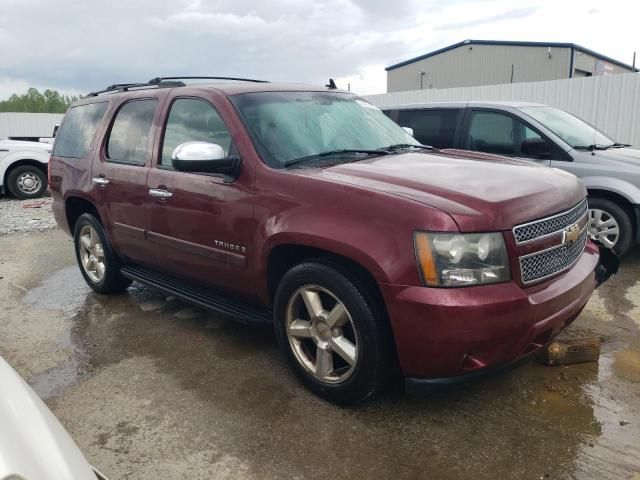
(160, 193)
(100, 181)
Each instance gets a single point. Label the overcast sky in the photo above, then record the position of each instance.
(79, 45)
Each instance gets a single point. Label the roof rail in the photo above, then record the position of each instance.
(235, 79)
(124, 87)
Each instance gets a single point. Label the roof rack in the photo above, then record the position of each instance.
(124, 87)
(235, 79)
(165, 82)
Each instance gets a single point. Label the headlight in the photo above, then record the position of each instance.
(456, 259)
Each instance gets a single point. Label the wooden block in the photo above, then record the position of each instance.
(575, 350)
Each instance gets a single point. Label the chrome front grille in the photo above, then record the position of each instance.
(540, 265)
(549, 225)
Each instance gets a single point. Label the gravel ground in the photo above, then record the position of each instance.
(25, 215)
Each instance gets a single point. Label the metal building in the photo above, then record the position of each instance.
(491, 62)
(28, 126)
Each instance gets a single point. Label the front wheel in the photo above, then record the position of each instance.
(98, 263)
(610, 225)
(26, 181)
(332, 332)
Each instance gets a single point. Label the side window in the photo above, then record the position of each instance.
(493, 132)
(77, 131)
(129, 139)
(193, 120)
(431, 127)
(501, 134)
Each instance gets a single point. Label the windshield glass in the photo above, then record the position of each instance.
(286, 126)
(572, 130)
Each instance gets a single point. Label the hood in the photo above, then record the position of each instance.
(23, 145)
(33, 444)
(622, 157)
(481, 192)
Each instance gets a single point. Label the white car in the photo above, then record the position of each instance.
(23, 168)
(33, 444)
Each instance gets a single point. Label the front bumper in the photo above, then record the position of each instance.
(443, 333)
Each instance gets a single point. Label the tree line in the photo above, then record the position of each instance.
(50, 101)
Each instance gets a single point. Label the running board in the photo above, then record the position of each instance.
(199, 296)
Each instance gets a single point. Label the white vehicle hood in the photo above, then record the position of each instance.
(33, 444)
(15, 145)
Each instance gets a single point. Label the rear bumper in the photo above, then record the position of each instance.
(443, 333)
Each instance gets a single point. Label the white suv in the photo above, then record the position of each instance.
(23, 168)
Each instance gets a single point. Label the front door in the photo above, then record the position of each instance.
(119, 177)
(500, 133)
(201, 225)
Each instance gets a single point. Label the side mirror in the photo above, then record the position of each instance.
(536, 148)
(204, 157)
(409, 130)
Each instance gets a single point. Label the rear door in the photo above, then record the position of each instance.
(438, 127)
(200, 225)
(119, 175)
(500, 133)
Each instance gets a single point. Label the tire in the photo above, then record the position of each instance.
(602, 212)
(365, 326)
(26, 181)
(90, 240)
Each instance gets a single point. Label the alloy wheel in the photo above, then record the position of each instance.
(92, 254)
(322, 334)
(603, 227)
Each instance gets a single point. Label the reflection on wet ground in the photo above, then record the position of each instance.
(153, 388)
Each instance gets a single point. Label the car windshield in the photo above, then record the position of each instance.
(571, 129)
(289, 126)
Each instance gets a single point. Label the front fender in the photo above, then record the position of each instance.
(623, 188)
(13, 157)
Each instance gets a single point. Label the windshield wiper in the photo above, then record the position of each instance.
(591, 148)
(620, 145)
(402, 146)
(300, 160)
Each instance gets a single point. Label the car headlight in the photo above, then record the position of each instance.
(460, 259)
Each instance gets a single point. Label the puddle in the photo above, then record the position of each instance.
(65, 290)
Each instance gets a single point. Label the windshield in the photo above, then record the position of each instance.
(286, 126)
(569, 128)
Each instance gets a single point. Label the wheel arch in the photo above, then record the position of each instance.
(43, 167)
(623, 202)
(76, 206)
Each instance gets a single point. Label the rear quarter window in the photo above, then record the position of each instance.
(76, 132)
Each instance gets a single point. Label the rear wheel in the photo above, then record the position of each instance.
(610, 225)
(98, 263)
(26, 181)
(332, 333)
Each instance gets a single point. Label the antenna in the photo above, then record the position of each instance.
(331, 85)
(595, 121)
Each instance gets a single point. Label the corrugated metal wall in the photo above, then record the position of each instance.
(612, 102)
(28, 124)
(470, 65)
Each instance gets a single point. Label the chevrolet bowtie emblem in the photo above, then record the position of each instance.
(571, 234)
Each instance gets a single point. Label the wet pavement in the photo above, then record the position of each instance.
(150, 387)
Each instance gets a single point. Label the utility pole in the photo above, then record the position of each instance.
(634, 63)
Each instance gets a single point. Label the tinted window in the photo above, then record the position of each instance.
(74, 136)
(494, 132)
(192, 120)
(431, 127)
(130, 133)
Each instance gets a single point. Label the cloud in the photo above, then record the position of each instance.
(79, 46)
(516, 13)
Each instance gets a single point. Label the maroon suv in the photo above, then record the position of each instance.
(309, 208)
